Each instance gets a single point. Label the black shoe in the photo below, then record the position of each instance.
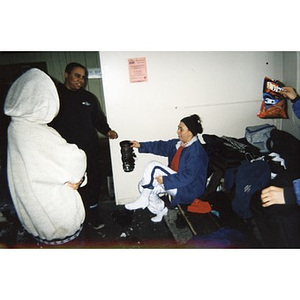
(97, 223)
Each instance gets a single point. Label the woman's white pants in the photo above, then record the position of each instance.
(150, 189)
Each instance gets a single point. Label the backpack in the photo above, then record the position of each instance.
(250, 178)
(259, 135)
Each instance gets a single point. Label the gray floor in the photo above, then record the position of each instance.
(132, 229)
(123, 229)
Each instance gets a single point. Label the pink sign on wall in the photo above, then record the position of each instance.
(137, 69)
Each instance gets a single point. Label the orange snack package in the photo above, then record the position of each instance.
(273, 104)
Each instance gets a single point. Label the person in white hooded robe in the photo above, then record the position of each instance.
(44, 171)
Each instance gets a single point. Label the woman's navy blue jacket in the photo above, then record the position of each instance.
(190, 180)
(296, 106)
(296, 183)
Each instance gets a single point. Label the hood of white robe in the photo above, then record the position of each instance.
(33, 97)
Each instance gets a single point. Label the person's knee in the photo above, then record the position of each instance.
(152, 164)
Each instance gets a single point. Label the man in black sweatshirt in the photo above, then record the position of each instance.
(79, 119)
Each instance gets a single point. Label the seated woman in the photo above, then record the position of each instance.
(185, 176)
(44, 171)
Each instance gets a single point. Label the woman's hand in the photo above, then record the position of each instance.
(272, 195)
(288, 92)
(135, 144)
(112, 135)
(159, 179)
(75, 186)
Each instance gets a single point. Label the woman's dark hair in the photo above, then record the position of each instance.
(193, 123)
(74, 65)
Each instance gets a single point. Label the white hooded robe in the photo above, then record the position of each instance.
(40, 162)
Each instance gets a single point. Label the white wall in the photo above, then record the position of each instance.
(224, 88)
